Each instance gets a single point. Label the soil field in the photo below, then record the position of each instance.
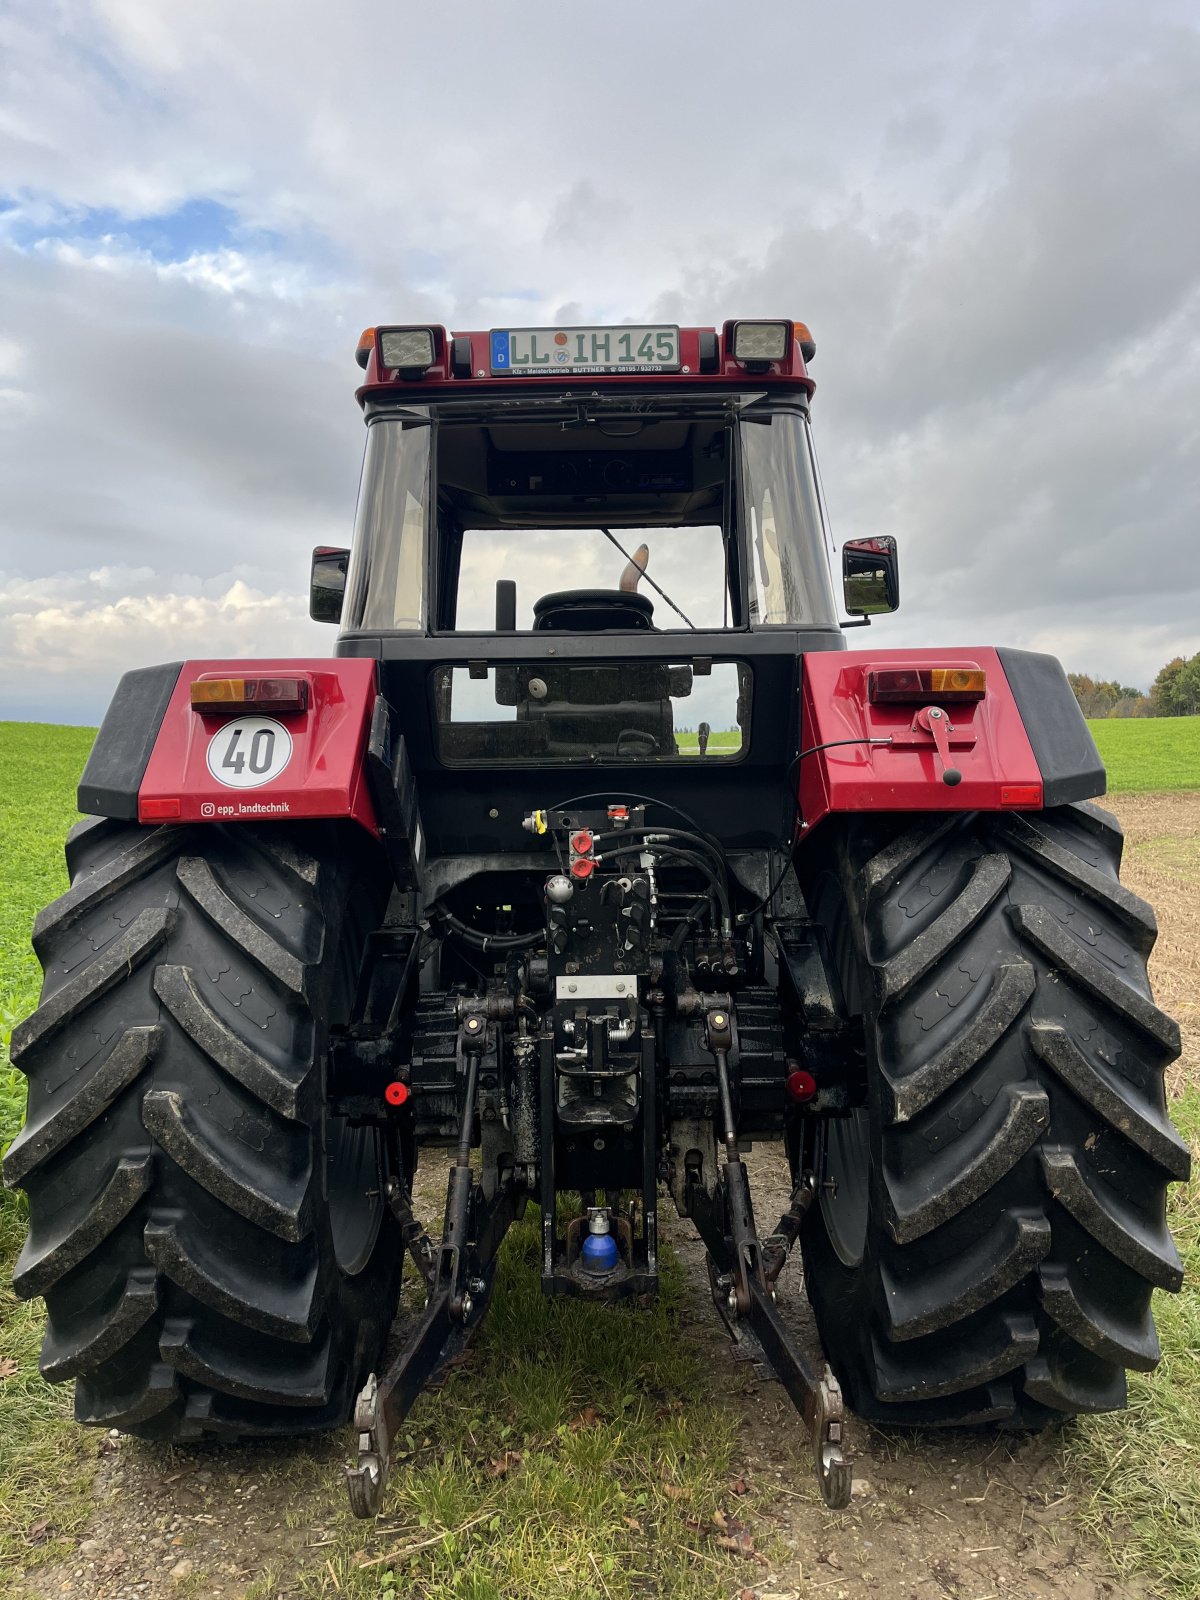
(583, 1452)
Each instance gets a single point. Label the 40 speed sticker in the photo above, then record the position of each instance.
(248, 752)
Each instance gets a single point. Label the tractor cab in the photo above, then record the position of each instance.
(605, 558)
(584, 487)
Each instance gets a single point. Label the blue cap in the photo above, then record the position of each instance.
(600, 1252)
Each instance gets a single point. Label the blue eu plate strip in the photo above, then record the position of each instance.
(500, 361)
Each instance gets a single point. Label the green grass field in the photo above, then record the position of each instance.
(39, 769)
(654, 1443)
(45, 1466)
(1149, 755)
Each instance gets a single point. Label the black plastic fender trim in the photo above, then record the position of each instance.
(115, 769)
(1061, 740)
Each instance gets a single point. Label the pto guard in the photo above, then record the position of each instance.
(323, 774)
(989, 740)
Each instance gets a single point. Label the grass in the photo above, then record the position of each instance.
(581, 1453)
(45, 1462)
(40, 765)
(726, 742)
(1149, 755)
(1142, 1466)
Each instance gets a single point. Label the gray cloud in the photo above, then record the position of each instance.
(988, 218)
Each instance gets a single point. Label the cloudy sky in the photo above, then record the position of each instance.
(988, 214)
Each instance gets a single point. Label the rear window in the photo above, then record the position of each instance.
(611, 712)
(686, 564)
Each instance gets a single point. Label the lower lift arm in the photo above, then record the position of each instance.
(742, 1277)
(460, 1286)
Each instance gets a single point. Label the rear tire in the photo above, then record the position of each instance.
(999, 1218)
(200, 1229)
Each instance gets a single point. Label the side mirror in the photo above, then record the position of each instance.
(870, 576)
(327, 583)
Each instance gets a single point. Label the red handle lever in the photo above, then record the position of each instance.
(934, 721)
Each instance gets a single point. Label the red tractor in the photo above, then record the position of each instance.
(593, 855)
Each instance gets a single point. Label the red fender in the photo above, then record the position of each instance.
(316, 766)
(988, 743)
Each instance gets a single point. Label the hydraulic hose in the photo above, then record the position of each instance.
(487, 941)
(699, 840)
(690, 857)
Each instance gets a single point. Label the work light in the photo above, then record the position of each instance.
(406, 349)
(761, 341)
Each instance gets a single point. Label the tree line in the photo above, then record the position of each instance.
(1175, 692)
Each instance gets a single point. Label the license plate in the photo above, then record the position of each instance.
(542, 352)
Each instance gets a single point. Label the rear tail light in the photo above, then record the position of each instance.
(232, 697)
(158, 810)
(922, 686)
(1021, 794)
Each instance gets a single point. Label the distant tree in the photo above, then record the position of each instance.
(1176, 690)
(1101, 697)
(1132, 704)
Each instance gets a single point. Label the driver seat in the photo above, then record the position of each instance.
(593, 611)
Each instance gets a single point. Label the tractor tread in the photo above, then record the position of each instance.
(43, 1262)
(178, 1131)
(103, 1337)
(1023, 1116)
(88, 836)
(968, 1282)
(1147, 1250)
(246, 1376)
(1069, 1379)
(249, 937)
(1129, 1341)
(1007, 998)
(131, 1408)
(1118, 1101)
(884, 870)
(989, 1352)
(300, 865)
(287, 1312)
(43, 1136)
(896, 976)
(145, 934)
(176, 987)
(102, 884)
(1127, 908)
(1043, 930)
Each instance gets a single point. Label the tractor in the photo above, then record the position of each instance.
(592, 855)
